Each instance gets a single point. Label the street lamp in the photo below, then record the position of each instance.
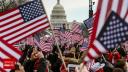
(90, 8)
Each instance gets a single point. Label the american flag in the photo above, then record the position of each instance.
(37, 41)
(45, 46)
(76, 28)
(21, 22)
(7, 51)
(66, 35)
(57, 34)
(17, 24)
(30, 41)
(51, 39)
(81, 41)
(84, 46)
(111, 9)
(113, 32)
(89, 23)
(76, 38)
(44, 38)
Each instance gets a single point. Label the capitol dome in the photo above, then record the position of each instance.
(58, 16)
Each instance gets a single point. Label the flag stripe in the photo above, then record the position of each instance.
(93, 53)
(126, 19)
(126, 15)
(6, 14)
(10, 20)
(115, 5)
(89, 56)
(14, 33)
(5, 53)
(6, 22)
(11, 47)
(10, 51)
(124, 9)
(100, 47)
(119, 6)
(109, 7)
(76, 27)
(11, 25)
(41, 27)
(102, 16)
(21, 26)
(22, 30)
(1, 69)
(45, 46)
(2, 56)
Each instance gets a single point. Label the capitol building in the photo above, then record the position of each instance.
(58, 17)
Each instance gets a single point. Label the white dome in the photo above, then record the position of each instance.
(58, 16)
(58, 12)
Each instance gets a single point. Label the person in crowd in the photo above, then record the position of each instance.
(97, 67)
(126, 66)
(121, 63)
(55, 60)
(117, 70)
(83, 68)
(49, 66)
(25, 53)
(36, 62)
(18, 68)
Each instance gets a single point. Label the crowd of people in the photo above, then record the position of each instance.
(34, 60)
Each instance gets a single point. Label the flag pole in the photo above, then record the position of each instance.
(82, 66)
(104, 58)
(51, 27)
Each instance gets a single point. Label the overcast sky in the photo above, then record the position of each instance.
(75, 9)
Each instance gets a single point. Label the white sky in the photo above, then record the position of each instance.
(75, 9)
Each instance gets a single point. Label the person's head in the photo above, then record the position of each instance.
(36, 53)
(19, 67)
(121, 63)
(117, 70)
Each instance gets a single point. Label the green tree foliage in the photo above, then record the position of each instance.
(6, 5)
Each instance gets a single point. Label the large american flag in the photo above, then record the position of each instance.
(113, 32)
(104, 10)
(17, 24)
(23, 21)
